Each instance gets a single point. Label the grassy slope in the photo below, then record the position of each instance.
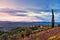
(51, 34)
(45, 35)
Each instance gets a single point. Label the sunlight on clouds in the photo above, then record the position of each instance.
(31, 14)
(8, 17)
(30, 17)
(42, 14)
(45, 15)
(38, 14)
(18, 18)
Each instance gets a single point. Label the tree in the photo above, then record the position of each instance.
(52, 18)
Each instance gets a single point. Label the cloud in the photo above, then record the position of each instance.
(7, 10)
(19, 19)
(20, 14)
(36, 10)
(46, 16)
(14, 12)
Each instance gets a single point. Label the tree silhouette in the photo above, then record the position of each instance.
(52, 18)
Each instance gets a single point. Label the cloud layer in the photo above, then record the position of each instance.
(29, 10)
(7, 14)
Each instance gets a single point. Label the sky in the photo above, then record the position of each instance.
(29, 10)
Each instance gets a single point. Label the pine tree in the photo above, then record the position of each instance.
(52, 18)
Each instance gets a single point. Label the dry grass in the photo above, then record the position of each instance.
(56, 37)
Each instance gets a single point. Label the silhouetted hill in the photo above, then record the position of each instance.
(7, 24)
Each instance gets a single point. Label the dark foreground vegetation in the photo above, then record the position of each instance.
(21, 32)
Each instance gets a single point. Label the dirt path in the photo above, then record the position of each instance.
(46, 34)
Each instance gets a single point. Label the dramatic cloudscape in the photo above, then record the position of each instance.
(29, 10)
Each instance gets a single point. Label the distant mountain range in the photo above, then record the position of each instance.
(7, 24)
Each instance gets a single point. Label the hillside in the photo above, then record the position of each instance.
(31, 33)
(51, 34)
(45, 35)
